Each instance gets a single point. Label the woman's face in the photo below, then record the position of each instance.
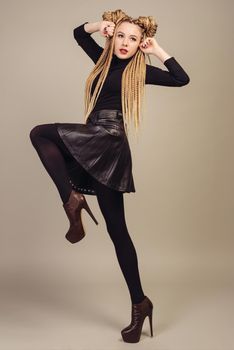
(128, 37)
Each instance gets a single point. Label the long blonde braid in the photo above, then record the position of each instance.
(133, 77)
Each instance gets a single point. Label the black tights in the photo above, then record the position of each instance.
(54, 155)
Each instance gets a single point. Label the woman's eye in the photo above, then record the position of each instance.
(120, 35)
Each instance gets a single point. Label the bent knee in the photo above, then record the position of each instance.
(35, 132)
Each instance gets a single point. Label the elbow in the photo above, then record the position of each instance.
(185, 81)
(75, 33)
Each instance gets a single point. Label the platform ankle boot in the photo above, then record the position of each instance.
(132, 333)
(73, 207)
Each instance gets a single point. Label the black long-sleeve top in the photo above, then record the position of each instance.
(110, 95)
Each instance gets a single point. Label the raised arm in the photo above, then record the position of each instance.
(85, 40)
(174, 76)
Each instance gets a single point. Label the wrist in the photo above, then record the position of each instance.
(92, 27)
(161, 54)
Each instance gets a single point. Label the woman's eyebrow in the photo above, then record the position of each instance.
(123, 33)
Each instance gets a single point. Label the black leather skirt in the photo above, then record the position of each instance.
(100, 150)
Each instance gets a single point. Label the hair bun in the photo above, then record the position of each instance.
(148, 25)
(115, 16)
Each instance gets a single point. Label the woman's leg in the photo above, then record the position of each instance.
(53, 154)
(112, 207)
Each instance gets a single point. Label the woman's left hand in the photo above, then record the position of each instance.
(149, 45)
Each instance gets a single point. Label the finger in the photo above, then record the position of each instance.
(146, 43)
(110, 31)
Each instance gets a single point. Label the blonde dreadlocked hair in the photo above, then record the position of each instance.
(133, 77)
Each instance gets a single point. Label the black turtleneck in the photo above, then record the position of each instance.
(110, 95)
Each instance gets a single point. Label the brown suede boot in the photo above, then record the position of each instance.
(73, 208)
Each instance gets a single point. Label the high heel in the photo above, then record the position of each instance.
(73, 207)
(132, 333)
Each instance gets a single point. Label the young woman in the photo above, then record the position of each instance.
(94, 157)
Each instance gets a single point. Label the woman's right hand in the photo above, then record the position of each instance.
(106, 28)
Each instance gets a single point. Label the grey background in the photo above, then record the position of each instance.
(59, 296)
